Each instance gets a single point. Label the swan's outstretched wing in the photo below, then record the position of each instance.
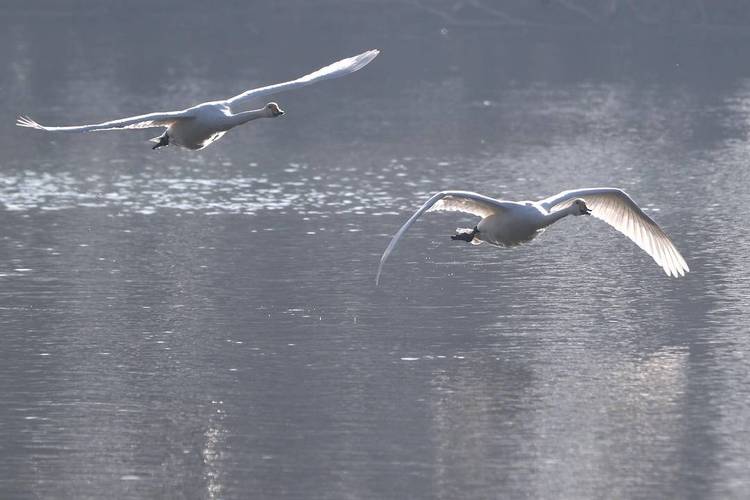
(455, 201)
(617, 209)
(335, 70)
(150, 120)
(466, 202)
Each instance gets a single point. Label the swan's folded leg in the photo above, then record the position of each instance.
(465, 234)
(162, 140)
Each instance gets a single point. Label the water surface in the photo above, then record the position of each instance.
(206, 325)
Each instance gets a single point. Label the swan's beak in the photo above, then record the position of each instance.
(278, 112)
(587, 212)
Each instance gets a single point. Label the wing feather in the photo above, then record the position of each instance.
(151, 120)
(617, 209)
(481, 206)
(335, 70)
(455, 201)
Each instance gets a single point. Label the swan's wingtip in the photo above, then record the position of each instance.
(366, 57)
(25, 121)
(677, 272)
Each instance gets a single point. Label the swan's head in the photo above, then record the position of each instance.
(273, 110)
(580, 208)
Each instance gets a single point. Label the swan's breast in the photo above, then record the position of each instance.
(511, 227)
(209, 125)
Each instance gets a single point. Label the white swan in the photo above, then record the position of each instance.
(508, 223)
(197, 127)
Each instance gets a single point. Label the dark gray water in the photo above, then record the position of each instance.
(205, 325)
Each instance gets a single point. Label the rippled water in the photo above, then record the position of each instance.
(206, 325)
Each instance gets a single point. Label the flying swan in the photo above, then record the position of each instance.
(197, 127)
(509, 223)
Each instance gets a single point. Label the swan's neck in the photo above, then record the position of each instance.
(553, 217)
(246, 116)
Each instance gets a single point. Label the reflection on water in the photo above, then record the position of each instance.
(205, 324)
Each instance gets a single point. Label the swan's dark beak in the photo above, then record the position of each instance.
(278, 112)
(587, 212)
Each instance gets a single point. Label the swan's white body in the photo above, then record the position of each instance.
(508, 223)
(197, 127)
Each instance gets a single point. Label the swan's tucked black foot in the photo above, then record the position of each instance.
(465, 236)
(163, 141)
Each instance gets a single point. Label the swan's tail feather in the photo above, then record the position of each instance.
(25, 121)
